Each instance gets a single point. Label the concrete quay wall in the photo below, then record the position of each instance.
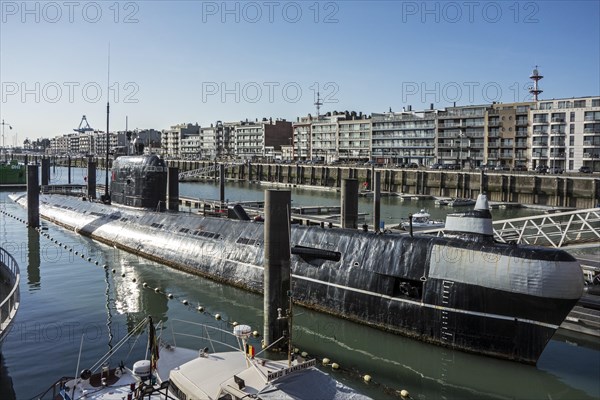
(518, 187)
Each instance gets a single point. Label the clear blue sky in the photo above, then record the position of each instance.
(192, 61)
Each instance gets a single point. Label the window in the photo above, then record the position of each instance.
(579, 103)
(572, 117)
(571, 140)
(596, 102)
(592, 116)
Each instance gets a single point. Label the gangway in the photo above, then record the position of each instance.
(567, 230)
(570, 229)
(206, 170)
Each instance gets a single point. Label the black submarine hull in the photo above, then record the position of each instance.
(494, 299)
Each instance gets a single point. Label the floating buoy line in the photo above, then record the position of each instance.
(325, 362)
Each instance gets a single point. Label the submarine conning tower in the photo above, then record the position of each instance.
(474, 225)
(139, 181)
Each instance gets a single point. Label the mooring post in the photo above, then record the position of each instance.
(91, 178)
(33, 196)
(173, 188)
(349, 207)
(222, 183)
(377, 201)
(45, 171)
(69, 169)
(277, 272)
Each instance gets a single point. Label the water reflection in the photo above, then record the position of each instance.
(6, 385)
(33, 260)
(396, 362)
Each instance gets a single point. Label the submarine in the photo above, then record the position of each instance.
(462, 290)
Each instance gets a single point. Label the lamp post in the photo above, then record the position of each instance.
(9, 127)
(460, 147)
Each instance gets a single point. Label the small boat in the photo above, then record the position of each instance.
(422, 220)
(461, 203)
(442, 202)
(180, 374)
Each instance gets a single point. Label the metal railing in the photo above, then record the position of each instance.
(206, 170)
(10, 278)
(567, 230)
(570, 229)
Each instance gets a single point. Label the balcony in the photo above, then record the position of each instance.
(591, 130)
(540, 121)
(558, 120)
(591, 156)
(540, 133)
(556, 132)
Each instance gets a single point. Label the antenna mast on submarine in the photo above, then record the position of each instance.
(106, 196)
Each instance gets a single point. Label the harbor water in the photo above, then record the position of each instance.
(68, 301)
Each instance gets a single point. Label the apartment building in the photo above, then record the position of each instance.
(301, 138)
(565, 133)
(354, 138)
(178, 135)
(261, 140)
(404, 137)
(461, 135)
(506, 141)
(343, 136)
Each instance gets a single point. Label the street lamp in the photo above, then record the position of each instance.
(9, 127)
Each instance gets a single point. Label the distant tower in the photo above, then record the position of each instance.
(535, 77)
(318, 104)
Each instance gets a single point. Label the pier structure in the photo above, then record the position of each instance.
(33, 196)
(566, 190)
(349, 207)
(277, 267)
(91, 178)
(173, 188)
(551, 190)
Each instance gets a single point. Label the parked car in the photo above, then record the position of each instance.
(520, 168)
(454, 166)
(436, 166)
(585, 170)
(541, 169)
(501, 168)
(556, 170)
(413, 165)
